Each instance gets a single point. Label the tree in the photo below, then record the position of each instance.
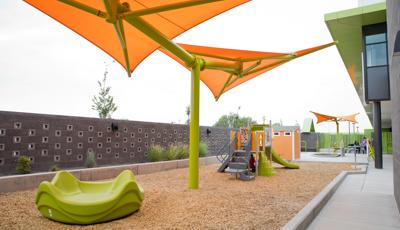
(104, 103)
(188, 114)
(233, 120)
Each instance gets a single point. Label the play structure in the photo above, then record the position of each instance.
(255, 143)
(286, 141)
(68, 200)
(132, 30)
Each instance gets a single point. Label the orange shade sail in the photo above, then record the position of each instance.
(252, 64)
(157, 13)
(323, 117)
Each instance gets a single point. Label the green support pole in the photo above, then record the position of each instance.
(194, 126)
(337, 135)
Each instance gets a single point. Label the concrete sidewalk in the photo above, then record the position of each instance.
(363, 201)
(330, 157)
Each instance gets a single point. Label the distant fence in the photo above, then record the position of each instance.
(316, 141)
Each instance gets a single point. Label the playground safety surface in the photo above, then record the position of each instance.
(221, 202)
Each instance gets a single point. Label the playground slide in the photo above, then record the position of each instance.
(277, 159)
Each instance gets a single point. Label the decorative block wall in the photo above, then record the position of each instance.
(63, 140)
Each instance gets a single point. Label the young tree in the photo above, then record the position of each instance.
(104, 103)
(188, 114)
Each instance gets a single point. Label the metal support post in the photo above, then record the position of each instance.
(377, 142)
(194, 126)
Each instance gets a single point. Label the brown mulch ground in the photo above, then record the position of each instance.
(221, 203)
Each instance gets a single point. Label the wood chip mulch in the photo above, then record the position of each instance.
(221, 202)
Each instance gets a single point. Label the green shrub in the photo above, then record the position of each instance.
(182, 152)
(172, 152)
(203, 149)
(23, 165)
(156, 153)
(54, 168)
(90, 159)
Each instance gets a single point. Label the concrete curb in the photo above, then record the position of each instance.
(306, 215)
(29, 181)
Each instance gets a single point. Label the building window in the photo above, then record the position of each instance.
(56, 158)
(68, 151)
(45, 139)
(2, 132)
(90, 128)
(80, 134)
(277, 134)
(99, 134)
(1, 161)
(288, 134)
(108, 150)
(57, 146)
(108, 139)
(70, 127)
(375, 60)
(69, 139)
(2, 147)
(79, 157)
(80, 145)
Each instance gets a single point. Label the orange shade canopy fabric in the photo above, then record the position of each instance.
(157, 13)
(252, 64)
(323, 117)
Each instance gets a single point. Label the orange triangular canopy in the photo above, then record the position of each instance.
(323, 117)
(93, 25)
(253, 64)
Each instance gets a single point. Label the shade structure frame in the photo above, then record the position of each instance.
(329, 118)
(111, 15)
(238, 66)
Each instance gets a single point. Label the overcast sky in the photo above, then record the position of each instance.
(46, 68)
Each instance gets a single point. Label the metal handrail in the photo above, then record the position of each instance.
(230, 144)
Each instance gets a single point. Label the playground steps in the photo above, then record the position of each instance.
(238, 165)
